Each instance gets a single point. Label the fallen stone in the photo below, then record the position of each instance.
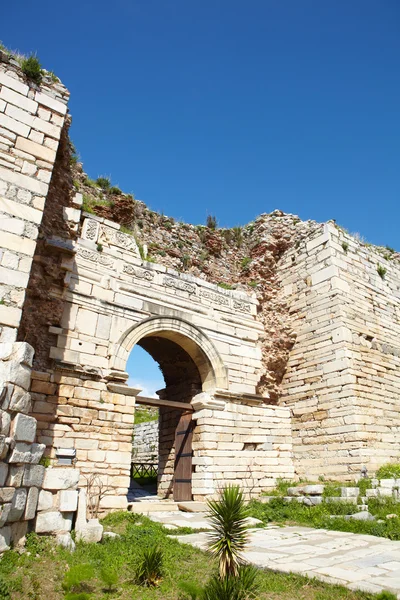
(112, 535)
(92, 532)
(250, 521)
(61, 478)
(312, 500)
(364, 515)
(294, 491)
(313, 490)
(349, 492)
(65, 540)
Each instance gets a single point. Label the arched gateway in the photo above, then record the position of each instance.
(214, 428)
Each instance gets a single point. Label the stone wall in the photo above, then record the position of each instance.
(342, 382)
(145, 442)
(31, 120)
(247, 443)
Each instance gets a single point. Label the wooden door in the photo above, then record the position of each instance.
(183, 458)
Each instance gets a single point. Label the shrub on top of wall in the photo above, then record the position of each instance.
(32, 68)
(389, 471)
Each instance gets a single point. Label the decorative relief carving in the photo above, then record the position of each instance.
(95, 257)
(214, 297)
(140, 273)
(178, 284)
(90, 230)
(242, 306)
(113, 237)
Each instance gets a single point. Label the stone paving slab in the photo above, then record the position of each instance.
(360, 562)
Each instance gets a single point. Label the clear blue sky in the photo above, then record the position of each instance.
(231, 107)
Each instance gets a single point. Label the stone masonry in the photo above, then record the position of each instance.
(290, 368)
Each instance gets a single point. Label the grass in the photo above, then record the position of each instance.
(280, 511)
(41, 573)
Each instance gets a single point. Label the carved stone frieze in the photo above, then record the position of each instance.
(214, 297)
(179, 284)
(90, 230)
(137, 272)
(95, 257)
(242, 306)
(113, 237)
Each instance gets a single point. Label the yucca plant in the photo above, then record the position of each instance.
(243, 586)
(150, 568)
(230, 530)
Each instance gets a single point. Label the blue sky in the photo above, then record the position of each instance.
(231, 107)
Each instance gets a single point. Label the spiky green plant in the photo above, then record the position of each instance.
(150, 569)
(244, 586)
(229, 534)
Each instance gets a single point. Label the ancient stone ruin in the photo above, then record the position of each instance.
(278, 341)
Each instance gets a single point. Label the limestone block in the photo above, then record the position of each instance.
(53, 522)
(13, 372)
(31, 503)
(349, 492)
(371, 493)
(14, 84)
(65, 540)
(23, 428)
(6, 494)
(27, 453)
(388, 483)
(4, 512)
(13, 125)
(3, 473)
(15, 475)
(37, 150)
(68, 501)
(34, 475)
(71, 214)
(62, 478)
(92, 532)
(18, 100)
(50, 102)
(5, 419)
(17, 505)
(5, 538)
(45, 500)
(20, 400)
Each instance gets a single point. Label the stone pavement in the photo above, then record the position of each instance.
(360, 562)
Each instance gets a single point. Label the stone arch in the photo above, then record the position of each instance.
(189, 337)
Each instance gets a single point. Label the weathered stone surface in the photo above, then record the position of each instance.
(34, 475)
(31, 503)
(6, 494)
(4, 512)
(349, 492)
(23, 428)
(15, 475)
(53, 522)
(65, 540)
(92, 532)
(60, 478)
(3, 473)
(45, 500)
(27, 453)
(5, 538)
(68, 501)
(17, 505)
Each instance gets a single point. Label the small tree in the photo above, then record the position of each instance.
(230, 530)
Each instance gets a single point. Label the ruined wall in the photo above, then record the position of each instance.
(342, 383)
(31, 120)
